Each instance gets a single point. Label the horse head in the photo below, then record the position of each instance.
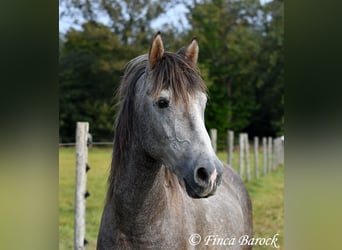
(170, 101)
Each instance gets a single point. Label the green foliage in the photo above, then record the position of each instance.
(241, 60)
(91, 65)
(229, 45)
(269, 118)
(242, 51)
(129, 19)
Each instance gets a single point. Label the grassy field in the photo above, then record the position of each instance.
(266, 193)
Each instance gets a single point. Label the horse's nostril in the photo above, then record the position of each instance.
(202, 176)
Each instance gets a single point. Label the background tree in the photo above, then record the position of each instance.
(230, 39)
(268, 119)
(241, 60)
(91, 64)
(129, 19)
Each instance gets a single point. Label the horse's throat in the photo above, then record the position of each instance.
(139, 197)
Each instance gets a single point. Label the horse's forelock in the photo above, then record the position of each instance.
(177, 74)
(173, 72)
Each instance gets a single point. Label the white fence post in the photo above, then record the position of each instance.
(282, 149)
(264, 156)
(270, 154)
(81, 163)
(248, 165)
(241, 165)
(230, 147)
(276, 152)
(213, 137)
(256, 157)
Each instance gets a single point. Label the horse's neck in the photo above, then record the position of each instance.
(140, 197)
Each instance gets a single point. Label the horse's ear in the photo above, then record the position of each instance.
(156, 50)
(191, 51)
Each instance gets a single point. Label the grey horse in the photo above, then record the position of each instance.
(167, 188)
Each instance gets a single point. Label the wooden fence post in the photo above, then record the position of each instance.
(248, 165)
(256, 157)
(230, 147)
(264, 156)
(282, 149)
(213, 137)
(269, 164)
(81, 180)
(276, 152)
(241, 148)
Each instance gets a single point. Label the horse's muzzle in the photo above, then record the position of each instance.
(203, 182)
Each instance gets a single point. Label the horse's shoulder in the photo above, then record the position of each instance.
(232, 181)
(231, 178)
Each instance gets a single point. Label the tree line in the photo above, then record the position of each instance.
(241, 60)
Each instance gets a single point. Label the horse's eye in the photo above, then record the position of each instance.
(163, 103)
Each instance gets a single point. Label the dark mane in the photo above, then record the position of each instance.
(174, 72)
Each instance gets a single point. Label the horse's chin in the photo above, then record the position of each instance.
(193, 193)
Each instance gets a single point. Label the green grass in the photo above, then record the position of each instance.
(99, 162)
(266, 194)
(267, 197)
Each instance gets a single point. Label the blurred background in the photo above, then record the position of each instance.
(241, 59)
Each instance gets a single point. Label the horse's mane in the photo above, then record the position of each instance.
(173, 72)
